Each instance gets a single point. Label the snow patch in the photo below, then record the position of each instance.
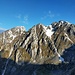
(62, 21)
(49, 32)
(61, 59)
(34, 61)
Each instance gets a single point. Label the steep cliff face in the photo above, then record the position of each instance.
(53, 44)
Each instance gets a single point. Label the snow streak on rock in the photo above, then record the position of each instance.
(60, 58)
(67, 37)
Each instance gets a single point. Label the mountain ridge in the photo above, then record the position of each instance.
(39, 45)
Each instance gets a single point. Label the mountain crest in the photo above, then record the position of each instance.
(53, 44)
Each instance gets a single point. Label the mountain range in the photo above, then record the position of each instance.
(42, 50)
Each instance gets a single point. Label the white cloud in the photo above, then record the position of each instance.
(25, 19)
(49, 14)
(3, 29)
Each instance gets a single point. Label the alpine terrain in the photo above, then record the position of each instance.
(42, 50)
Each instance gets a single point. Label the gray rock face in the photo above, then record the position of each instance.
(9, 35)
(49, 47)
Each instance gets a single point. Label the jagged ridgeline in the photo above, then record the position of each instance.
(53, 44)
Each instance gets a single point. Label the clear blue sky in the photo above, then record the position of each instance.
(30, 12)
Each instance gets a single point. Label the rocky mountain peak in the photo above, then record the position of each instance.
(22, 28)
(53, 45)
(9, 35)
(61, 23)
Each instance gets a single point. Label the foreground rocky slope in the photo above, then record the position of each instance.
(43, 50)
